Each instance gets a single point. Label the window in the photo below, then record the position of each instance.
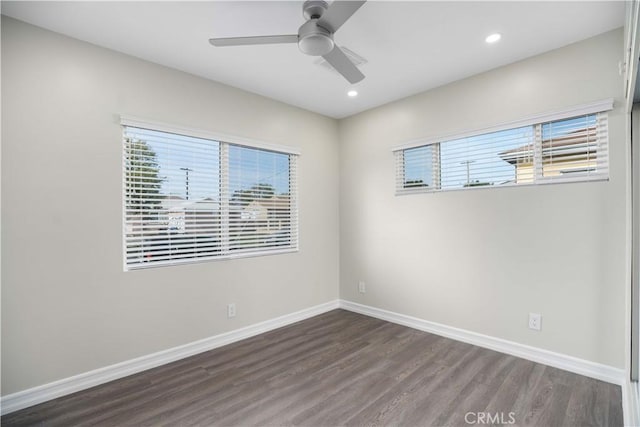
(189, 198)
(571, 148)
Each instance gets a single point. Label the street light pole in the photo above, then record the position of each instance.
(187, 170)
(468, 162)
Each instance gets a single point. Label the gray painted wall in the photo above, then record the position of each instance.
(483, 259)
(67, 306)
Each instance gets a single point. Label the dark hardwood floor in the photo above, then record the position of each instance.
(340, 368)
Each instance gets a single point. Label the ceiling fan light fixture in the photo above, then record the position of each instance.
(314, 40)
(315, 44)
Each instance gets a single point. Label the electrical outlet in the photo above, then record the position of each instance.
(362, 287)
(231, 310)
(535, 321)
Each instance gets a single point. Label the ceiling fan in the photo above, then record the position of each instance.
(315, 36)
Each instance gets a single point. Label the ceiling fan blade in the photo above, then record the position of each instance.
(240, 41)
(338, 13)
(342, 64)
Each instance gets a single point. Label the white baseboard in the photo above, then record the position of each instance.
(631, 403)
(546, 357)
(33, 396)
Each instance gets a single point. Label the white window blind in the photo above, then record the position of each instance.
(190, 199)
(576, 147)
(570, 149)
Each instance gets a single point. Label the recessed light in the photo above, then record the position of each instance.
(492, 38)
(352, 93)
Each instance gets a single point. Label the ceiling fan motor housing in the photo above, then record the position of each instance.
(314, 40)
(314, 9)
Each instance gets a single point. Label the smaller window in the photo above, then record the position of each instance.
(571, 147)
(479, 161)
(418, 167)
(568, 149)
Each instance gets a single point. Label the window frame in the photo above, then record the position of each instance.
(224, 140)
(536, 121)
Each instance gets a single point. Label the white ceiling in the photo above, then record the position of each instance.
(410, 46)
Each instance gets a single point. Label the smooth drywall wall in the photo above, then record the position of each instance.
(67, 305)
(483, 259)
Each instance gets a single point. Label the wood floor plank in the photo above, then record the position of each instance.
(514, 394)
(338, 368)
(449, 387)
(562, 384)
(414, 378)
(477, 393)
